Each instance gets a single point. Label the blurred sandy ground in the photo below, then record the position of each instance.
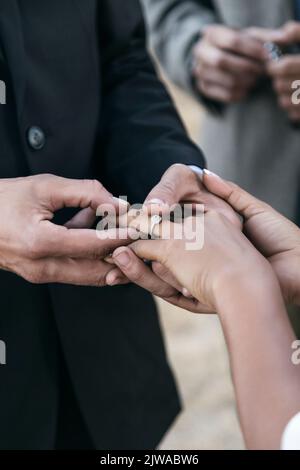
(199, 359)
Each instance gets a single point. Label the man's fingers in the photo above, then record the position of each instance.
(83, 219)
(139, 273)
(68, 271)
(241, 201)
(54, 240)
(174, 186)
(64, 192)
(165, 275)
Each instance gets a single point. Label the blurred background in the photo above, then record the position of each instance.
(249, 133)
(198, 356)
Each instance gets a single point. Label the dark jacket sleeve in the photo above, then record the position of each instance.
(142, 134)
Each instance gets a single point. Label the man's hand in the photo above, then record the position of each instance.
(285, 71)
(181, 185)
(40, 251)
(227, 63)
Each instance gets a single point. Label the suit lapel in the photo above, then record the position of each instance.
(12, 44)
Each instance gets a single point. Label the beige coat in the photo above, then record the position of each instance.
(253, 143)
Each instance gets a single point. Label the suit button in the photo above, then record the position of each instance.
(36, 138)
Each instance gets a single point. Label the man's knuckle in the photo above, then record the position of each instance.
(135, 274)
(37, 275)
(33, 246)
(168, 186)
(97, 186)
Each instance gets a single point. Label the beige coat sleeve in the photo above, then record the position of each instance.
(174, 27)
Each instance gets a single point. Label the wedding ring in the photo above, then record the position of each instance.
(155, 220)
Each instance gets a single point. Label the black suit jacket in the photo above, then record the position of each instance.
(80, 71)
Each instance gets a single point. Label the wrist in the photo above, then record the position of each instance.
(297, 289)
(235, 290)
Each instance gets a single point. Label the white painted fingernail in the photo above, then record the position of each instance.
(121, 201)
(154, 201)
(210, 173)
(112, 279)
(186, 293)
(197, 170)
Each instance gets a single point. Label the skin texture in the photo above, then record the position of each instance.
(277, 238)
(180, 184)
(230, 276)
(40, 251)
(227, 63)
(285, 71)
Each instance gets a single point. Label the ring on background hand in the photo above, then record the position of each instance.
(155, 220)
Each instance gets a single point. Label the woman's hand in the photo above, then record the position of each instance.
(274, 236)
(224, 259)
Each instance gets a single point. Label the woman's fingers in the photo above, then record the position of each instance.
(241, 201)
(55, 240)
(139, 273)
(152, 250)
(165, 275)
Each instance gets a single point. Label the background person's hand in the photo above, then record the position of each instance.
(227, 63)
(40, 251)
(286, 70)
(277, 238)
